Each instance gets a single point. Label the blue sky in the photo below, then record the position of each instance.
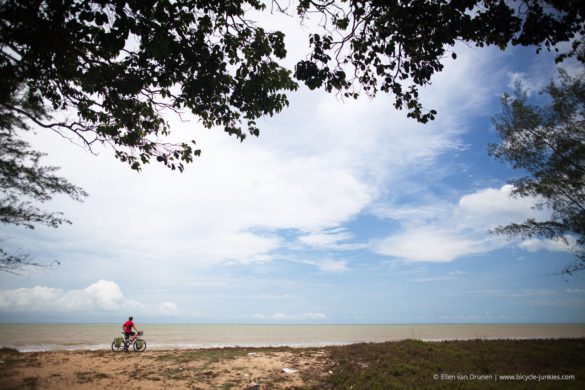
(340, 212)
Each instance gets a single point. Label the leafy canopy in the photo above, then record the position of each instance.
(548, 144)
(105, 71)
(396, 46)
(113, 66)
(24, 182)
(119, 64)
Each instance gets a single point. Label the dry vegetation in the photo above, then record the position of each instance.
(407, 364)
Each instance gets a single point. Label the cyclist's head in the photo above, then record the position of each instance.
(130, 318)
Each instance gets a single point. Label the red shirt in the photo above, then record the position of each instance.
(128, 325)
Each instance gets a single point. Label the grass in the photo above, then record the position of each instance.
(8, 351)
(205, 373)
(409, 364)
(216, 355)
(231, 385)
(209, 355)
(31, 383)
(87, 377)
(456, 364)
(9, 356)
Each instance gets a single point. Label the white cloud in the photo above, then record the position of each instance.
(458, 273)
(167, 308)
(99, 297)
(514, 293)
(319, 164)
(406, 212)
(30, 299)
(431, 279)
(325, 238)
(104, 295)
(531, 293)
(542, 70)
(329, 265)
(535, 245)
(529, 83)
(516, 77)
(575, 290)
(432, 245)
(336, 239)
(314, 316)
(491, 207)
(291, 317)
(460, 230)
(449, 276)
(228, 206)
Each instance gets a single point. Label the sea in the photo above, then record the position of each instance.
(50, 337)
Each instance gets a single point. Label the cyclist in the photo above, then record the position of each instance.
(128, 326)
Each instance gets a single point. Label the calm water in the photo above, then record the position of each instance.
(43, 337)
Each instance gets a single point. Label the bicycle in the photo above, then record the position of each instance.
(123, 343)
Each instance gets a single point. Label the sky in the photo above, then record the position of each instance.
(340, 212)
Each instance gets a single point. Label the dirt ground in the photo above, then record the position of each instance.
(225, 368)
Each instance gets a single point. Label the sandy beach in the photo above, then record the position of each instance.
(407, 364)
(187, 369)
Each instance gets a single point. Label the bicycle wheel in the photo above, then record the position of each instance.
(118, 344)
(139, 345)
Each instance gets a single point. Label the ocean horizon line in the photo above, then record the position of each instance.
(73, 336)
(287, 323)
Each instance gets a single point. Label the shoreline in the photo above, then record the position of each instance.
(190, 347)
(42, 337)
(402, 364)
